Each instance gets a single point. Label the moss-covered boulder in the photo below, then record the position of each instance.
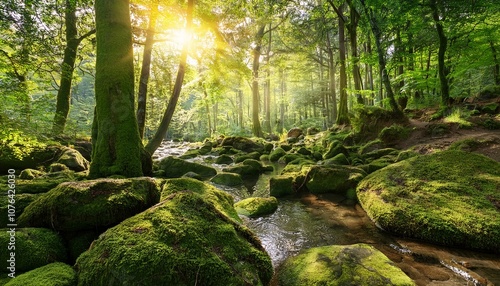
(358, 264)
(54, 274)
(33, 248)
(256, 206)
(79, 242)
(58, 167)
(276, 154)
(243, 144)
(243, 157)
(332, 179)
(22, 201)
(45, 182)
(184, 240)
(282, 185)
(26, 154)
(172, 167)
(449, 198)
(379, 153)
(224, 160)
(221, 200)
(339, 159)
(334, 148)
(73, 160)
(88, 205)
(30, 174)
(227, 179)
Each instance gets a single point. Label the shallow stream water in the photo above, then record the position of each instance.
(308, 220)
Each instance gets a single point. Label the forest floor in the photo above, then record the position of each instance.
(422, 141)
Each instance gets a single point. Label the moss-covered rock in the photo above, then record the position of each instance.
(243, 144)
(221, 200)
(380, 163)
(227, 179)
(54, 274)
(79, 242)
(184, 240)
(44, 183)
(58, 167)
(256, 206)
(339, 159)
(34, 247)
(332, 179)
(276, 154)
(288, 158)
(357, 264)
(243, 157)
(172, 167)
(392, 134)
(19, 157)
(88, 205)
(280, 186)
(449, 198)
(224, 160)
(336, 147)
(73, 160)
(30, 174)
(379, 153)
(22, 201)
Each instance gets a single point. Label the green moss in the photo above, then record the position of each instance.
(73, 160)
(224, 159)
(390, 135)
(175, 168)
(227, 179)
(280, 186)
(290, 158)
(357, 264)
(447, 198)
(184, 240)
(58, 167)
(379, 153)
(256, 206)
(54, 274)
(221, 200)
(79, 242)
(335, 148)
(339, 159)
(253, 155)
(30, 174)
(44, 183)
(332, 179)
(22, 201)
(276, 154)
(92, 204)
(34, 247)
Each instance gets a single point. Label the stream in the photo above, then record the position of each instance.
(308, 220)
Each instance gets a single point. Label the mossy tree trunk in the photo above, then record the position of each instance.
(496, 68)
(68, 66)
(256, 127)
(116, 146)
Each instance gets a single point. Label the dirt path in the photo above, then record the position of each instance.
(428, 137)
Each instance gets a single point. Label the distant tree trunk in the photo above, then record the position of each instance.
(146, 70)
(496, 68)
(331, 73)
(207, 110)
(443, 45)
(402, 98)
(116, 146)
(256, 128)
(353, 36)
(343, 113)
(377, 33)
(281, 125)
(267, 89)
(240, 108)
(155, 142)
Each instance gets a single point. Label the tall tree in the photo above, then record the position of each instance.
(155, 142)
(68, 66)
(256, 127)
(116, 145)
(145, 70)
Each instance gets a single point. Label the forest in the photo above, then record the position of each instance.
(258, 142)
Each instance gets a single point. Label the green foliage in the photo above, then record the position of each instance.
(17, 144)
(459, 116)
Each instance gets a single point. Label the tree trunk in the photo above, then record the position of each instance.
(443, 45)
(356, 73)
(146, 70)
(256, 128)
(496, 68)
(402, 98)
(331, 73)
(343, 115)
(172, 103)
(377, 33)
(116, 149)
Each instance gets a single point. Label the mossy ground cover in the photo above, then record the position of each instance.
(184, 240)
(256, 206)
(449, 198)
(358, 264)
